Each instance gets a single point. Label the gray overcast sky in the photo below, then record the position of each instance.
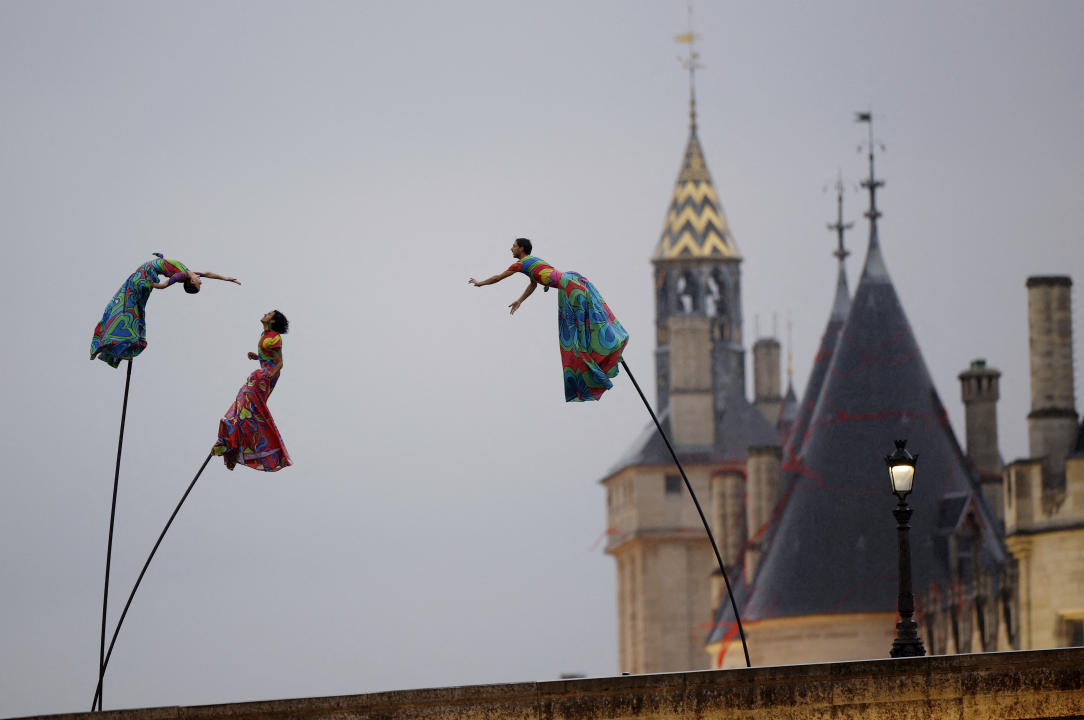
(354, 163)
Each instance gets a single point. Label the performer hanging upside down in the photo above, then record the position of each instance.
(592, 339)
(247, 434)
(122, 333)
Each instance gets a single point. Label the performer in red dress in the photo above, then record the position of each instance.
(247, 434)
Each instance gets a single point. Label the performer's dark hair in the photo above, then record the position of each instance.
(190, 288)
(525, 244)
(279, 323)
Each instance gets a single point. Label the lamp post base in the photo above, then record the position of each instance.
(907, 642)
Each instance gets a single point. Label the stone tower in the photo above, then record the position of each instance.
(698, 316)
(664, 560)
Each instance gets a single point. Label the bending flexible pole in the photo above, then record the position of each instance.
(688, 485)
(109, 653)
(112, 517)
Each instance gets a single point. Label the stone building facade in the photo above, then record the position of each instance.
(799, 504)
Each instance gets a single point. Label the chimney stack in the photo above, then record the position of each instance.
(1052, 422)
(766, 384)
(979, 391)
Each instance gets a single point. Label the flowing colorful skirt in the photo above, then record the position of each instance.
(247, 435)
(122, 333)
(592, 339)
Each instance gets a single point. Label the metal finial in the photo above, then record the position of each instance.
(871, 183)
(839, 227)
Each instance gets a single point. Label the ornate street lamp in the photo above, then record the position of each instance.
(901, 471)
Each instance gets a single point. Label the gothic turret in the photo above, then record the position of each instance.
(825, 587)
(841, 305)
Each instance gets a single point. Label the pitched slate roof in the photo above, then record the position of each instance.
(742, 425)
(831, 547)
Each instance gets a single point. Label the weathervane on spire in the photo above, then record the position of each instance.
(839, 226)
(691, 63)
(871, 183)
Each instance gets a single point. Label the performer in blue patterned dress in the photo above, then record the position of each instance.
(592, 339)
(122, 333)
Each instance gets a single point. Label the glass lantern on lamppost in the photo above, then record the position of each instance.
(901, 471)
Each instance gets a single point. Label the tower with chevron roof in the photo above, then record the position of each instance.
(663, 558)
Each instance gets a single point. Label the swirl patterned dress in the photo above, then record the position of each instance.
(247, 434)
(592, 339)
(122, 333)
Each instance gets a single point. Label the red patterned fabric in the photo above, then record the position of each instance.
(247, 435)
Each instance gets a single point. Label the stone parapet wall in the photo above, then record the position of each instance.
(1033, 684)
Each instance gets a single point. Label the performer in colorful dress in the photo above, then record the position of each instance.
(247, 434)
(592, 339)
(122, 333)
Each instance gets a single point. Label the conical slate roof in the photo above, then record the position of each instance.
(841, 305)
(832, 545)
(696, 227)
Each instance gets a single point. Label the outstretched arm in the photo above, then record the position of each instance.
(491, 280)
(526, 294)
(216, 276)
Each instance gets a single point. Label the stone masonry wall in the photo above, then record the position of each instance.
(1036, 684)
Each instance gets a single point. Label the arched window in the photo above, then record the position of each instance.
(689, 293)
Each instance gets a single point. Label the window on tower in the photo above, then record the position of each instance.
(688, 293)
(673, 484)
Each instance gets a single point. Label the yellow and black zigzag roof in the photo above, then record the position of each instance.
(696, 227)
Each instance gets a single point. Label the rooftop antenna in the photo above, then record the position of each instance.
(690, 63)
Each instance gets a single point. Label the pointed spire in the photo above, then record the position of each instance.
(841, 306)
(790, 347)
(695, 227)
(789, 412)
(842, 302)
(874, 269)
(871, 183)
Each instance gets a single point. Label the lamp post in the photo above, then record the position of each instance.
(901, 471)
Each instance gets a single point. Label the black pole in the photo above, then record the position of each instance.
(112, 517)
(124, 613)
(688, 485)
(907, 642)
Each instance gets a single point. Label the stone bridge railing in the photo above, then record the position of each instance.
(1030, 684)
